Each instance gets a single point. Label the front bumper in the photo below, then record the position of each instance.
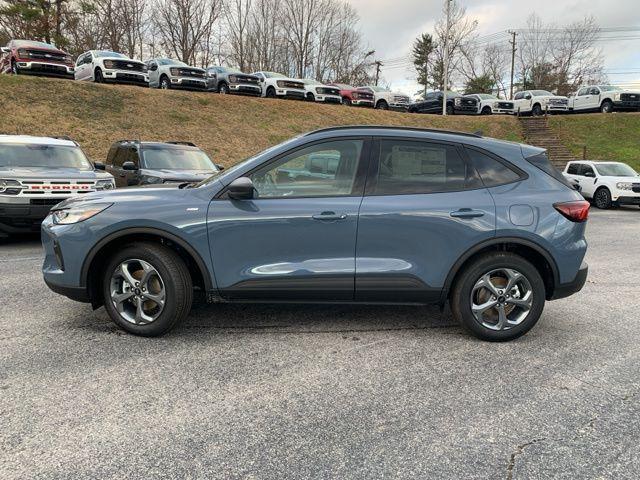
(288, 93)
(398, 106)
(362, 103)
(466, 110)
(245, 89)
(508, 111)
(188, 83)
(22, 218)
(627, 105)
(556, 108)
(627, 200)
(46, 68)
(125, 76)
(567, 289)
(328, 98)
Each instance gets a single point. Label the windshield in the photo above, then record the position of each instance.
(168, 61)
(541, 93)
(49, 156)
(105, 53)
(486, 96)
(610, 88)
(273, 75)
(379, 89)
(615, 170)
(30, 43)
(310, 81)
(173, 158)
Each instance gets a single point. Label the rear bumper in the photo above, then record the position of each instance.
(567, 289)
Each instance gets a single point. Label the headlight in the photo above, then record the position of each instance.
(624, 186)
(354, 95)
(23, 53)
(75, 214)
(280, 83)
(496, 104)
(616, 96)
(109, 64)
(233, 78)
(174, 71)
(105, 185)
(145, 68)
(68, 59)
(150, 179)
(457, 100)
(4, 184)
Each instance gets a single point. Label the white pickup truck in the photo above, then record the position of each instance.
(37, 173)
(385, 99)
(278, 85)
(537, 102)
(604, 98)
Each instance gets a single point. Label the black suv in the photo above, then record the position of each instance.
(456, 104)
(133, 162)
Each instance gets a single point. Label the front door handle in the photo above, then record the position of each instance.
(467, 213)
(329, 216)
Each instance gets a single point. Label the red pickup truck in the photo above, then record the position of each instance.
(26, 56)
(352, 96)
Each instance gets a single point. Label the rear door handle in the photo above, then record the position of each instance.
(467, 213)
(329, 216)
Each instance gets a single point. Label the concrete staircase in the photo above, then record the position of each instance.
(537, 133)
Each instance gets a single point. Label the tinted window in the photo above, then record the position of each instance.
(491, 171)
(411, 167)
(583, 91)
(573, 169)
(519, 96)
(121, 156)
(594, 91)
(323, 170)
(587, 170)
(542, 162)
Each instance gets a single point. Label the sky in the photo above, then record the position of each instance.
(391, 26)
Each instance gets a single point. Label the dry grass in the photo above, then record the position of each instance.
(229, 128)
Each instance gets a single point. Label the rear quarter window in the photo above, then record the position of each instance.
(542, 162)
(492, 171)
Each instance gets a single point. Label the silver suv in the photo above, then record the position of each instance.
(37, 173)
(166, 73)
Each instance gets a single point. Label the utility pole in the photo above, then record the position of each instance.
(513, 58)
(445, 65)
(378, 64)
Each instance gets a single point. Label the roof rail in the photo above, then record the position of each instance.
(175, 142)
(395, 127)
(127, 141)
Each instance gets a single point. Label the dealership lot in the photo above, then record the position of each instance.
(289, 391)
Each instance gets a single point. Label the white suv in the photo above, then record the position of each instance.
(385, 99)
(606, 183)
(536, 102)
(277, 85)
(104, 66)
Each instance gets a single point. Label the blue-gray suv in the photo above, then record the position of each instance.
(346, 214)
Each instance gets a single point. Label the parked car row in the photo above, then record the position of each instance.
(22, 56)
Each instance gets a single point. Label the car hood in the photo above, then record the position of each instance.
(52, 173)
(184, 175)
(128, 60)
(552, 97)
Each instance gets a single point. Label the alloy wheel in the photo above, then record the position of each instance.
(501, 299)
(137, 292)
(602, 198)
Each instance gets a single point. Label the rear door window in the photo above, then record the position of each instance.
(408, 167)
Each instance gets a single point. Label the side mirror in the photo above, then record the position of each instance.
(4, 49)
(219, 167)
(527, 97)
(241, 189)
(589, 174)
(153, 68)
(129, 166)
(99, 166)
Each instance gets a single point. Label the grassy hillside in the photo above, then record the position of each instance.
(607, 136)
(229, 128)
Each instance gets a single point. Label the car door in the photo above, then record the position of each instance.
(154, 74)
(588, 180)
(296, 239)
(424, 206)
(580, 100)
(522, 102)
(593, 99)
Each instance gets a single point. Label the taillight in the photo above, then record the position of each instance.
(576, 211)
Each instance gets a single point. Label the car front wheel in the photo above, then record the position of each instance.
(602, 198)
(606, 107)
(14, 68)
(147, 289)
(165, 84)
(498, 297)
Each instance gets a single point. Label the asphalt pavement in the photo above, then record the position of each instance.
(345, 392)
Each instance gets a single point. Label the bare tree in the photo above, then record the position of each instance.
(238, 17)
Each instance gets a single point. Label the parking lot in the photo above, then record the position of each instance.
(272, 391)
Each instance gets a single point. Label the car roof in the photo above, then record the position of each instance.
(29, 140)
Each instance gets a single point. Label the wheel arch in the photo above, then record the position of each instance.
(539, 257)
(99, 255)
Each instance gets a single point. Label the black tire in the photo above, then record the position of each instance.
(486, 111)
(14, 68)
(164, 84)
(346, 101)
(602, 198)
(536, 111)
(223, 89)
(606, 107)
(174, 275)
(450, 110)
(382, 105)
(271, 92)
(461, 295)
(97, 76)
(310, 97)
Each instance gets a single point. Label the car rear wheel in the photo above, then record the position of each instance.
(147, 289)
(498, 297)
(602, 198)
